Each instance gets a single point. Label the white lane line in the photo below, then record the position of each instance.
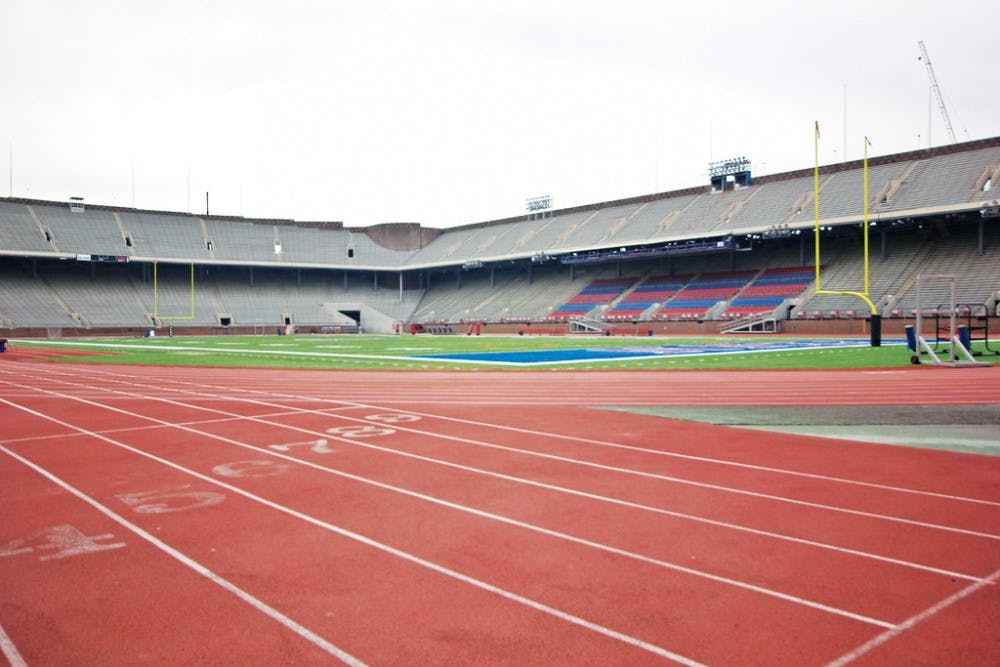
(614, 445)
(591, 496)
(657, 476)
(913, 621)
(551, 487)
(133, 429)
(257, 604)
(477, 512)
(10, 650)
(690, 457)
(528, 602)
(617, 469)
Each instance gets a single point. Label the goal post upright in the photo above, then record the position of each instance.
(875, 330)
(156, 297)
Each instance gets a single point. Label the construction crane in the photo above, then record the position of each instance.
(937, 91)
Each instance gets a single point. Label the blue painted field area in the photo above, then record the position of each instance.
(581, 355)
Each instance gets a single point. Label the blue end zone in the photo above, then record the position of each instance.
(580, 355)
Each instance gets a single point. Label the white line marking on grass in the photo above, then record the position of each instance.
(257, 604)
(913, 621)
(528, 602)
(169, 348)
(10, 650)
(431, 359)
(466, 509)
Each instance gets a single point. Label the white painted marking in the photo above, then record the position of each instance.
(394, 418)
(605, 443)
(678, 480)
(252, 468)
(290, 353)
(667, 565)
(10, 650)
(359, 431)
(913, 621)
(319, 446)
(704, 459)
(164, 501)
(528, 602)
(64, 538)
(259, 605)
(831, 547)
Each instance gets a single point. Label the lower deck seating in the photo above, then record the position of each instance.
(599, 292)
(702, 294)
(768, 290)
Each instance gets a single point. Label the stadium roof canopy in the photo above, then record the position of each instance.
(957, 179)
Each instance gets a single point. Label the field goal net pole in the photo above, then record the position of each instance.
(955, 346)
(875, 330)
(170, 319)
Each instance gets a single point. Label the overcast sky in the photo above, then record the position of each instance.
(449, 112)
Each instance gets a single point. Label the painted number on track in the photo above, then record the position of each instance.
(252, 468)
(170, 500)
(360, 431)
(56, 542)
(319, 446)
(393, 418)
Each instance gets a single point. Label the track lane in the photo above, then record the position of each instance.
(438, 479)
(907, 545)
(318, 392)
(594, 585)
(918, 467)
(382, 606)
(863, 464)
(900, 386)
(79, 588)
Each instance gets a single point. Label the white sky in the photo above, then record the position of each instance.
(448, 112)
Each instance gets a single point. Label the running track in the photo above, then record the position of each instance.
(233, 516)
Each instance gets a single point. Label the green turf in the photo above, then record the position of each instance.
(354, 352)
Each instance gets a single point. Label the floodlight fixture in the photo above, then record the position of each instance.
(734, 171)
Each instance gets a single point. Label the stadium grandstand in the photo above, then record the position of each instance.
(688, 261)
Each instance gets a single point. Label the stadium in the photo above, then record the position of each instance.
(735, 252)
(751, 421)
(231, 466)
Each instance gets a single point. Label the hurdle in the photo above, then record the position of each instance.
(958, 341)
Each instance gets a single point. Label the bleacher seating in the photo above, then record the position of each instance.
(599, 292)
(650, 292)
(768, 290)
(935, 196)
(702, 294)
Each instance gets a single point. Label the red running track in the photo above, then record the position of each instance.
(179, 515)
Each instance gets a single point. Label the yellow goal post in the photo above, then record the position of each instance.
(157, 316)
(864, 294)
